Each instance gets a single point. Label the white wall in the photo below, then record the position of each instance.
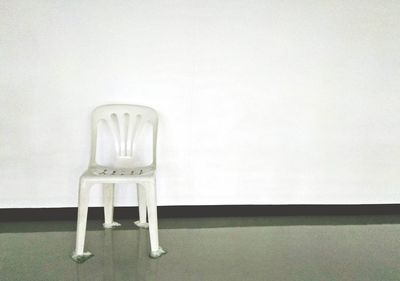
(261, 102)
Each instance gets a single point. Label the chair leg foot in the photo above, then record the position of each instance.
(158, 253)
(142, 224)
(82, 257)
(114, 224)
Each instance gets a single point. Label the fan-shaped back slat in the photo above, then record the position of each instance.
(122, 134)
(125, 123)
(112, 123)
(133, 130)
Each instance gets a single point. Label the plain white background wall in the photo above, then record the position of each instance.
(260, 102)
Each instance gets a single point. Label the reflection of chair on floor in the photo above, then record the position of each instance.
(138, 266)
(146, 269)
(125, 123)
(108, 256)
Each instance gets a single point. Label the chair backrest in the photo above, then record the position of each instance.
(125, 123)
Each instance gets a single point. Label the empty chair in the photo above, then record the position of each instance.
(125, 125)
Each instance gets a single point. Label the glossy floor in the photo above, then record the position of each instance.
(264, 248)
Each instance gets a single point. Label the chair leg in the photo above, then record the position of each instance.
(141, 195)
(108, 197)
(156, 250)
(79, 255)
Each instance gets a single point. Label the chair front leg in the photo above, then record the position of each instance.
(141, 195)
(156, 250)
(108, 197)
(84, 191)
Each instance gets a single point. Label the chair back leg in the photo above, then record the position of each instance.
(141, 195)
(108, 198)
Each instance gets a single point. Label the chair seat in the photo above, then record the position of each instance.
(109, 174)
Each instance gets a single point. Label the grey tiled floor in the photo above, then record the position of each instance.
(271, 248)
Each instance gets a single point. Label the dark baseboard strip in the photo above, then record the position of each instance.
(205, 211)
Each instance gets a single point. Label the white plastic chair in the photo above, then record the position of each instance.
(125, 123)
